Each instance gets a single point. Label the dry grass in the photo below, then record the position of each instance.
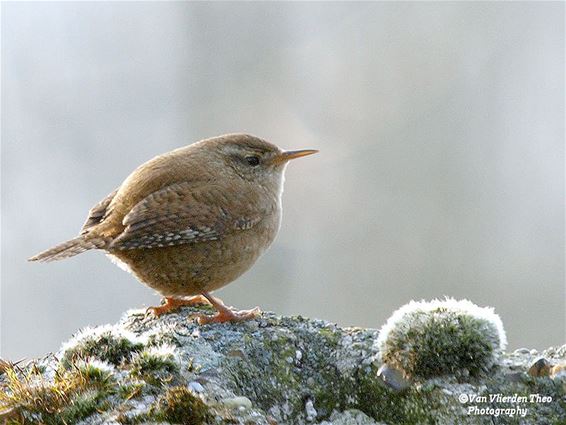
(26, 396)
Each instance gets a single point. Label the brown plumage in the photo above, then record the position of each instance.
(191, 220)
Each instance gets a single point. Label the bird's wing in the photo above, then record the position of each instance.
(182, 213)
(98, 212)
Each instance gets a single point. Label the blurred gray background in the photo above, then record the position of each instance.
(440, 125)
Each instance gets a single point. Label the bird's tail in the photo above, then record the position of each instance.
(69, 249)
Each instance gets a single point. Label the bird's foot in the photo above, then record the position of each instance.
(172, 304)
(225, 313)
(229, 316)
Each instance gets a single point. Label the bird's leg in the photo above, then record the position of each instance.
(172, 304)
(225, 314)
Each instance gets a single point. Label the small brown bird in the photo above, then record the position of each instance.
(192, 220)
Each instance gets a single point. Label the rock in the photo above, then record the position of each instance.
(393, 378)
(514, 377)
(241, 403)
(310, 411)
(541, 367)
(558, 371)
(349, 417)
(196, 387)
(163, 370)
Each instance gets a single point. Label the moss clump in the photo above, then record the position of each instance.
(427, 339)
(180, 406)
(105, 344)
(155, 365)
(130, 390)
(71, 395)
(81, 406)
(93, 373)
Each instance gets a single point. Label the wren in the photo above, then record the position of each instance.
(191, 221)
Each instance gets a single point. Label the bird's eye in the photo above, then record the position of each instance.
(252, 160)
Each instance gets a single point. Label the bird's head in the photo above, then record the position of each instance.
(253, 159)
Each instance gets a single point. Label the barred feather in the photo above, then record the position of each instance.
(69, 249)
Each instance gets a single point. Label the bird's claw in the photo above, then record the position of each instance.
(154, 311)
(228, 315)
(172, 304)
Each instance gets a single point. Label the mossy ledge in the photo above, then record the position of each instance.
(271, 370)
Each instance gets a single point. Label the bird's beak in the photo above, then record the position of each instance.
(288, 155)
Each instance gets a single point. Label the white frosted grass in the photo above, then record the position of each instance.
(93, 334)
(165, 351)
(97, 364)
(403, 318)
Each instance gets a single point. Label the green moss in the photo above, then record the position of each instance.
(266, 373)
(328, 398)
(71, 396)
(180, 406)
(322, 369)
(161, 338)
(93, 374)
(332, 337)
(155, 365)
(130, 390)
(386, 405)
(106, 346)
(81, 406)
(442, 337)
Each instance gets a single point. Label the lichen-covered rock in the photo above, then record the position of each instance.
(271, 370)
(349, 417)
